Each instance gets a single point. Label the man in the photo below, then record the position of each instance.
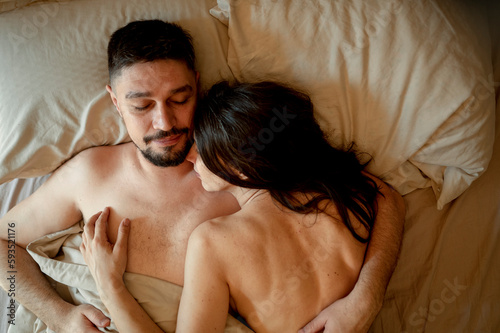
(154, 86)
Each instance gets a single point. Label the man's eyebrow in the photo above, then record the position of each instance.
(137, 94)
(187, 87)
(141, 94)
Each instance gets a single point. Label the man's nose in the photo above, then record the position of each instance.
(163, 118)
(193, 154)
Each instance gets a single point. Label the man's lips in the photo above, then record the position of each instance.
(168, 140)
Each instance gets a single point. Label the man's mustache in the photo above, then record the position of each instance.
(163, 134)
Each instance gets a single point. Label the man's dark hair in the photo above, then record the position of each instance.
(267, 132)
(145, 41)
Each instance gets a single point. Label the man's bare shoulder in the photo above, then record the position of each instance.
(101, 154)
(96, 161)
(57, 204)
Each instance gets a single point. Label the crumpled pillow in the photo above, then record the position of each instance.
(410, 82)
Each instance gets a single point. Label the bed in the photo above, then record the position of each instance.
(415, 84)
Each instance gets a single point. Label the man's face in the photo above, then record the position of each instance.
(157, 101)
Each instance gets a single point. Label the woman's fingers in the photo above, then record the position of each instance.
(96, 230)
(89, 227)
(100, 226)
(82, 248)
(84, 240)
(122, 239)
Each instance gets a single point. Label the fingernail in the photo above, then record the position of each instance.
(126, 222)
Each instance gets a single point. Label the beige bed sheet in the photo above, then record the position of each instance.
(448, 274)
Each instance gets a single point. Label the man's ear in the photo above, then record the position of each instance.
(113, 99)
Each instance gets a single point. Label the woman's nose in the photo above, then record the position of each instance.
(193, 154)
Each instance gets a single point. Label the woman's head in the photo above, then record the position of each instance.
(264, 136)
(264, 131)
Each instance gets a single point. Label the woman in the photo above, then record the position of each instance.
(307, 209)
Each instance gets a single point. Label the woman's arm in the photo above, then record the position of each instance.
(205, 297)
(107, 263)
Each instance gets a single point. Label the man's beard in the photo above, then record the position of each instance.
(167, 158)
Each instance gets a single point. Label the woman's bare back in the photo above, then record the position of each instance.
(283, 267)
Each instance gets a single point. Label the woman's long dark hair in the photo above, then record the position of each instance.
(267, 132)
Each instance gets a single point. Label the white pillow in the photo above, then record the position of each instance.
(408, 81)
(53, 68)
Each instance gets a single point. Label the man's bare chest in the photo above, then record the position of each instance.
(161, 224)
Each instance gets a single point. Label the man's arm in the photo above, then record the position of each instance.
(357, 311)
(51, 208)
(34, 291)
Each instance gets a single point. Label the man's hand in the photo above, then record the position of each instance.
(81, 318)
(346, 315)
